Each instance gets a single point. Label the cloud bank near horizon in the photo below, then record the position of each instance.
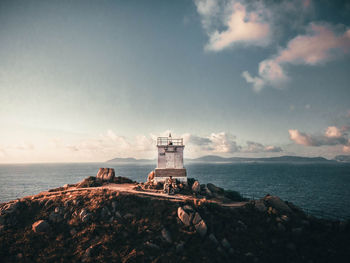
(332, 136)
(109, 145)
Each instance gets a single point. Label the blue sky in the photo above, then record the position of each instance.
(93, 80)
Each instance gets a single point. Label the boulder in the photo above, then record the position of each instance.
(105, 174)
(196, 219)
(225, 243)
(206, 191)
(188, 208)
(278, 204)
(166, 235)
(184, 216)
(213, 239)
(196, 187)
(114, 206)
(150, 176)
(105, 212)
(118, 215)
(40, 226)
(260, 206)
(215, 189)
(201, 228)
(180, 247)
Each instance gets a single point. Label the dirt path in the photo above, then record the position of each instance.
(129, 188)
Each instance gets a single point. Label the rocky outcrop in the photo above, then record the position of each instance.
(196, 187)
(105, 174)
(100, 225)
(189, 216)
(276, 203)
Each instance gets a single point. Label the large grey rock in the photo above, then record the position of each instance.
(215, 189)
(105, 174)
(225, 243)
(196, 187)
(213, 239)
(207, 191)
(40, 226)
(201, 228)
(184, 216)
(196, 219)
(278, 204)
(180, 247)
(166, 235)
(114, 206)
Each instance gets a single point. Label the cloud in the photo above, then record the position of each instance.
(332, 136)
(240, 26)
(223, 142)
(319, 45)
(24, 146)
(255, 147)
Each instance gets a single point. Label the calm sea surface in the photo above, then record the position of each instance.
(322, 189)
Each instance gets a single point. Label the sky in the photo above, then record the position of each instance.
(88, 81)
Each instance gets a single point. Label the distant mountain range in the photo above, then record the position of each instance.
(219, 159)
(280, 159)
(342, 158)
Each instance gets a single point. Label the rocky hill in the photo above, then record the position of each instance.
(89, 222)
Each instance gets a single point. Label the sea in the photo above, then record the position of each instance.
(322, 190)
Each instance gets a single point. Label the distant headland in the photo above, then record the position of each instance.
(219, 159)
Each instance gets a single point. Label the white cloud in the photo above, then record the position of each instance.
(24, 146)
(240, 26)
(319, 45)
(332, 136)
(255, 147)
(333, 132)
(223, 143)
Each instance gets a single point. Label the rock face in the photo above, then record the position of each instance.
(276, 203)
(105, 174)
(190, 217)
(196, 187)
(40, 226)
(102, 225)
(184, 216)
(201, 228)
(215, 189)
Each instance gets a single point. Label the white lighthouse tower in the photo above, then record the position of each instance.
(170, 160)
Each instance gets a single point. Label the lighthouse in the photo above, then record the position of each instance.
(170, 159)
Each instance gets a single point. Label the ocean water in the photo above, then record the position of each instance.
(322, 190)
